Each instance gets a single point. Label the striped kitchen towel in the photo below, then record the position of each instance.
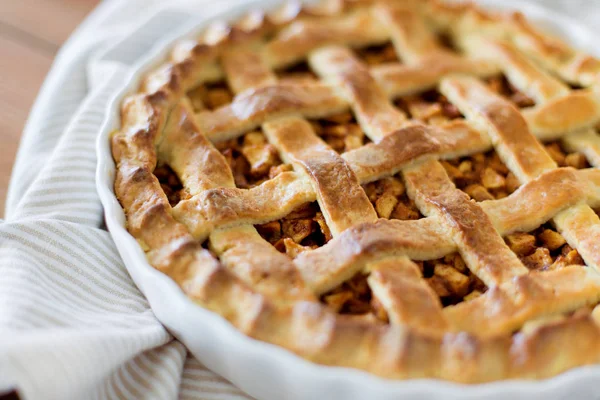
(72, 323)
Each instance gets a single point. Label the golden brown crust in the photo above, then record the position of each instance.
(467, 224)
(573, 112)
(408, 300)
(506, 126)
(269, 271)
(411, 144)
(142, 119)
(507, 307)
(528, 77)
(246, 69)
(300, 38)
(580, 226)
(272, 298)
(586, 142)
(409, 33)
(255, 106)
(222, 207)
(347, 254)
(342, 200)
(190, 154)
(147, 207)
(375, 113)
(400, 80)
(539, 200)
(524, 155)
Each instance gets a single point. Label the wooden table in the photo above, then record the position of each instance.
(31, 32)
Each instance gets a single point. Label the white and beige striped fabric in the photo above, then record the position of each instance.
(72, 323)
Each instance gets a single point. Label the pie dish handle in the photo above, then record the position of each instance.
(137, 45)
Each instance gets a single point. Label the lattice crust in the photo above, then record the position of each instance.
(177, 183)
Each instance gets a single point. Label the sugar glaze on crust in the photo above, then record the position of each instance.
(522, 327)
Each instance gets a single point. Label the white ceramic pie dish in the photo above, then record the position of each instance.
(263, 370)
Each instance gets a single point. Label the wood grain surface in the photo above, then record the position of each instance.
(31, 32)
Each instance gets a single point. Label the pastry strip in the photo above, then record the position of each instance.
(330, 265)
(340, 196)
(518, 148)
(480, 245)
(374, 111)
(507, 307)
(398, 284)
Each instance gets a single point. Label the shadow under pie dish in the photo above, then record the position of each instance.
(406, 188)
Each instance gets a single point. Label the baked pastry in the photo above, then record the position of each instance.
(403, 187)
